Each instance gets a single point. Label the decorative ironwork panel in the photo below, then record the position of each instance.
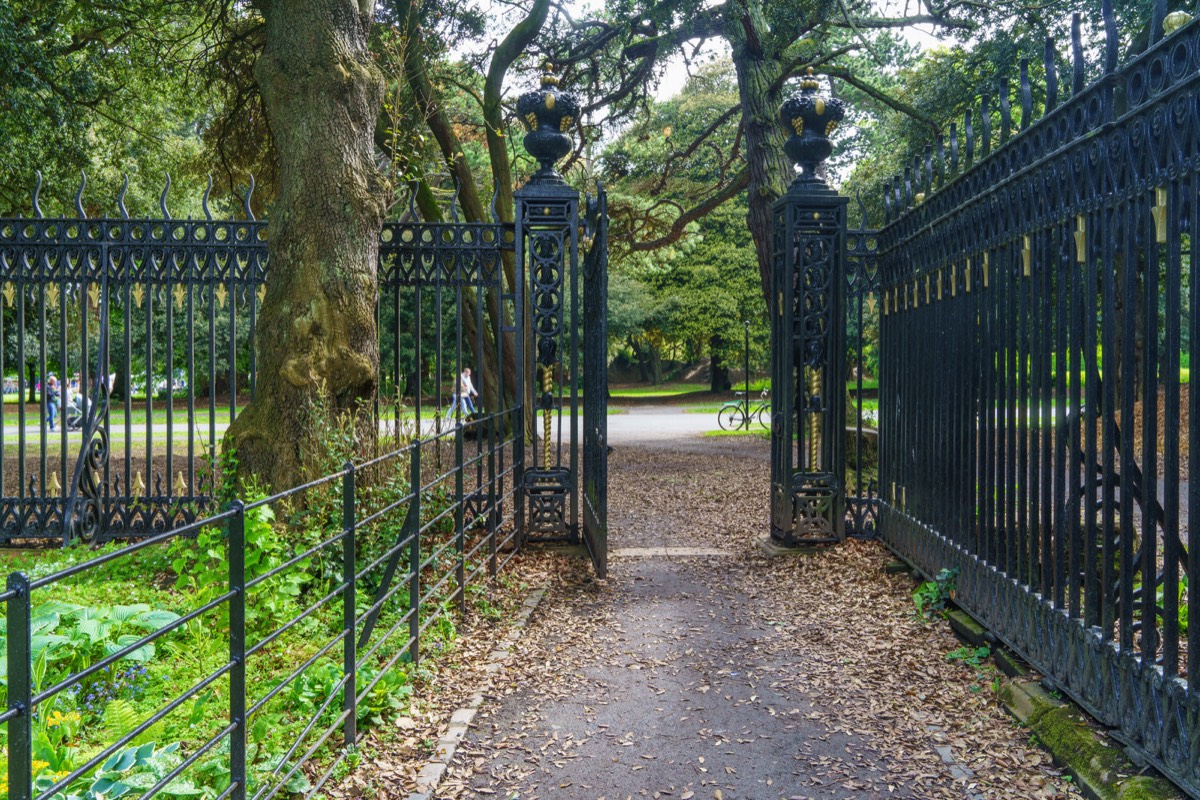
(862, 335)
(157, 320)
(167, 288)
(813, 500)
(808, 362)
(548, 247)
(547, 491)
(1038, 304)
(449, 254)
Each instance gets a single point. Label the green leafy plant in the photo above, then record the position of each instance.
(132, 770)
(309, 690)
(386, 698)
(67, 638)
(971, 656)
(931, 597)
(975, 658)
(54, 733)
(202, 568)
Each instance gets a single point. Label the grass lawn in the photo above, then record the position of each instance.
(755, 430)
(704, 408)
(662, 390)
(137, 414)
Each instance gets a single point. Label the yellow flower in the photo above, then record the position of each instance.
(58, 718)
(38, 766)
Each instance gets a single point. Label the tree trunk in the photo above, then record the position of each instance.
(770, 172)
(656, 366)
(322, 93)
(719, 370)
(639, 353)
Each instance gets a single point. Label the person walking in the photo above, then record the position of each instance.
(464, 390)
(52, 391)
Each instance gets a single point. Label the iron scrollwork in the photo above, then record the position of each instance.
(1033, 440)
(808, 359)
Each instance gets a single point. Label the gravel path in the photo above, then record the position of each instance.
(700, 669)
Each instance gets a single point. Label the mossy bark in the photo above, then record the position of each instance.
(318, 343)
(760, 77)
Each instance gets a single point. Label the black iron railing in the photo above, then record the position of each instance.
(149, 326)
(861, 339)
(401, 541)
(1037, 425)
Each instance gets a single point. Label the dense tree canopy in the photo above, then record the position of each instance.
(150, 87)
(104, 87)
(689, 293)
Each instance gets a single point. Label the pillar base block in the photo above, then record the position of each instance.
(773, 548)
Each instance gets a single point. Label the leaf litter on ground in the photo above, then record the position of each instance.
(828, 640)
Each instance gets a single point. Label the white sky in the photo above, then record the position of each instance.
(676, 73)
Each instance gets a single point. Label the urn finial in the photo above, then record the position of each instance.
(548, 113)
(811, 118)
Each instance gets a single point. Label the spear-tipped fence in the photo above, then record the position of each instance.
(148, 326)
(1037, 421)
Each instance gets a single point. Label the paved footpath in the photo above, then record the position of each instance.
(686, 674)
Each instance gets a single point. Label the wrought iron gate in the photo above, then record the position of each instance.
(1040, 308)
(564, 324)
(158, 319)
(595, 382)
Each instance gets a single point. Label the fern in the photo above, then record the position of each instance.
(119, 719)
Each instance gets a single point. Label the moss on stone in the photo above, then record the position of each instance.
(1143, 787)
(965, 626)
(1096, 763)
(1068, 737)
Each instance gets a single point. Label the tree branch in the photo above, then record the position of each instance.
(679, 226)
(703, 25)
(883, 97)
(519, 38)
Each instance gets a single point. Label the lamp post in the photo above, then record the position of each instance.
(746, 364)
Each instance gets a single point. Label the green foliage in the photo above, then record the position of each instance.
(971, 656)
(202, 568)
(931, 597)
(67, 637)
(690, 297)
(101, 88)
(130, 771)
(941, 83)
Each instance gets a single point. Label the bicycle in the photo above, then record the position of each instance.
(739, 414)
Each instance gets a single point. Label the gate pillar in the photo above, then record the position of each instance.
(808, 359)
(547, 254)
